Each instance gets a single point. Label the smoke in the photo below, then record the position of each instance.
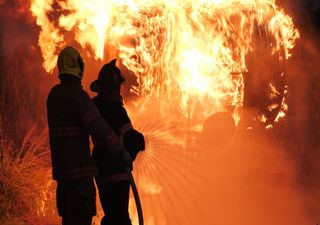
(304, 83)
(305, 116)
(218, 176)
(252, 181)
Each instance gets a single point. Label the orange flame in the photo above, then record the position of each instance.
(191, 52)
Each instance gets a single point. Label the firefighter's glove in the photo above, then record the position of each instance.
(134, 142)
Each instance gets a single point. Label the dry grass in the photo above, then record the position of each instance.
(26, 186)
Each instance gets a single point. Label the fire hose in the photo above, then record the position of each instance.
(135, 195)
(128, 175)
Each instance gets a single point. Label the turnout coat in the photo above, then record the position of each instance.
(72, 116)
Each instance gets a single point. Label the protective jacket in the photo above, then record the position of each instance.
(72, 116)
(114, 113)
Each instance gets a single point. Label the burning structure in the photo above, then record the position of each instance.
(191, 52)
(185, 62)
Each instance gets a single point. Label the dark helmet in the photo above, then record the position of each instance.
(109, 78)
(70, 62)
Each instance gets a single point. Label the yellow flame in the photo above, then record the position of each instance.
(49, 38)
(191, 52)
(284, 106)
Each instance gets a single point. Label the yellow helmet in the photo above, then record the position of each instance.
(70, 62)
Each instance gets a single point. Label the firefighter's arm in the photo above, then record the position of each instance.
(101, 133)
(132, 139)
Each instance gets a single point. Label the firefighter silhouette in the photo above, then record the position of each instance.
(113, 181)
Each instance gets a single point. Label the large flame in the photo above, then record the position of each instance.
(191, 52)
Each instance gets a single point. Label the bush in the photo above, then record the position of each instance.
(27, 193)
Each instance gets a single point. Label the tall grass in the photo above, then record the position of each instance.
(26, 186)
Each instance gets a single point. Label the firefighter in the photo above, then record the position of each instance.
(113, 182)
(72, 116)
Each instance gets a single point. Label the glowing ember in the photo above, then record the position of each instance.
(191, 52)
